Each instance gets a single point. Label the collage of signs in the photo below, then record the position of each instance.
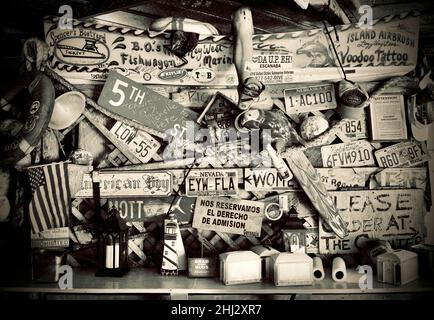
(299, 150)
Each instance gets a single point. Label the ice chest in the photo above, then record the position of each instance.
(265, 253)
(397, 267)
(291, 269)
(238, 267)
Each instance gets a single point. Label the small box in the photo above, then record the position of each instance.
(397, 267)
(202, 267)
(46, 265)
(425, 257)
(292, 269)
(240, 267)
(264, 252)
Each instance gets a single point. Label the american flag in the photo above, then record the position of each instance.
(50, 204)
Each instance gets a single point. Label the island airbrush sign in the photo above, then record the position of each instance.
(89, 51)
(388, 49)
(128, 184)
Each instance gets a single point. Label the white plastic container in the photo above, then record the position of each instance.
(292, 269)
(240, 267)
(397, 267)
(265, 253)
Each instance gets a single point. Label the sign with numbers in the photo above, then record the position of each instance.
(136, 102)
(354, 154)
(404, 154)
(354, 129)
(312, 98)
(139, 142)
(211, 182)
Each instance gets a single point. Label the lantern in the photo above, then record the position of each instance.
(112, 246)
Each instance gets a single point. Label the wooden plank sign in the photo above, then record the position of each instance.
(235, 216)
(337, 178)
(403, 154)
(128, 184)
(393, 215)
(266, 179)
(405, 178)
(136, 102)
(308, 99)
(198, 97)
(152, 209)
(139, 142)
(354, 154)
(203, 182)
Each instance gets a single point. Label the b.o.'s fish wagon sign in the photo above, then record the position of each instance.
(403, 154)
(212, 182)
(354, 154)
(128, 184)
(235, 216)
(393, 215)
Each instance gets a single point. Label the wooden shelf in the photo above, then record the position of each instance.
(149, 281)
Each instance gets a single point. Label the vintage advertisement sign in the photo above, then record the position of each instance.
(135, 101)
(265, 179)
(235, 216)
(128, 184)
(202, 267)
(198, 97)
(222, 182)
(354, 129)
(403, 154)
(393, 215)
(406, 178)
(50, 239)
(312, 98)
(387, 116)
(152, 209)
(353, 154)
(89, 51)
(139, 142)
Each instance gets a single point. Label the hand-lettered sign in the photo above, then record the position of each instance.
(128, 184)
(394, 215)
(403, 154)
(267, 179)
(136, 102)
(151, 209)
(242, 217)
(406, 178)
(354, 154)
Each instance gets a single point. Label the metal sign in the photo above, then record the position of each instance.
(235, 216)
(265, 180)
(312, 98)
(136, 102)
(198, 97)
(203, 182)
(393, 215)
(404, 154)
(151, 209)
(354, 154)
(139, 142)
(128, 184)
(354, 129)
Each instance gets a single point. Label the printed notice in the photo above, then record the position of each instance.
(235, 216)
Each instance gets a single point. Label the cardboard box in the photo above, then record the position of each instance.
(292, 269)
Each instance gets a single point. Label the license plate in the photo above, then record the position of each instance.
(354, 129)
(212, 183)
(354, 154)
(404, 154)
(311, 98)
(139, 142)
